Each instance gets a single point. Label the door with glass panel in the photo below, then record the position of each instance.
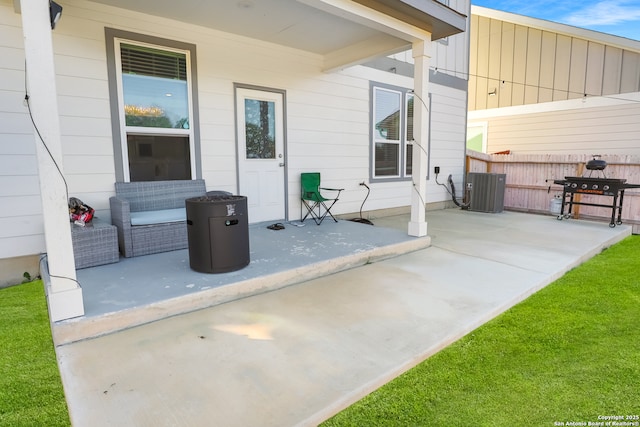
(261, 161)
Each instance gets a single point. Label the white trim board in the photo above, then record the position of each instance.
(545, 107)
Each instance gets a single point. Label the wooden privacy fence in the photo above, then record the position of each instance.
(530, 187)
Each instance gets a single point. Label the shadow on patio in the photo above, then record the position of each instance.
(142, 289)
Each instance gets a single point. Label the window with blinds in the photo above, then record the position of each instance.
(155, 87)
(153, 62)
(155, 108)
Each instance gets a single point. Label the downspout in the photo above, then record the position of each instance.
(465, 161)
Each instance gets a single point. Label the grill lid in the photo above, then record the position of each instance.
(596, 164)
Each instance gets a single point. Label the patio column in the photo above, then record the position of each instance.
(63, 292)
(421, 56)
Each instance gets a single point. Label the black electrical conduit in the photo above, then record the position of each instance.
(363, 220)
(452, 192)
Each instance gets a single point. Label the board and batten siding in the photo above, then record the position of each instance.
(327, 117)
(513, 64)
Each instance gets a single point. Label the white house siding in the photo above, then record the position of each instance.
(449, 57)
(449, 108)
(448, 131)
(596, 126)
(21, 226)
(327, 117)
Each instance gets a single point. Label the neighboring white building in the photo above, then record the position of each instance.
(539, 87)
(302, 59)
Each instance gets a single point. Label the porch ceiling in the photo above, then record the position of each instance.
(345, 32)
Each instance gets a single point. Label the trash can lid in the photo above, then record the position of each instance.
(215, 198)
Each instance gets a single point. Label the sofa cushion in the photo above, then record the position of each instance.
(159, 216)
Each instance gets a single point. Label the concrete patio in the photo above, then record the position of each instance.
(297, 354)
(143, 289)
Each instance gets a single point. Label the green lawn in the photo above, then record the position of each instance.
(568, 354)
(31, 391)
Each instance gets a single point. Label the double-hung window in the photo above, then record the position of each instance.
(155, 111)
(391, 132)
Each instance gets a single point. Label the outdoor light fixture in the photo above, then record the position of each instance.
(55, 12)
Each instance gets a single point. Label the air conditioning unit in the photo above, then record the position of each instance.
(486, 191)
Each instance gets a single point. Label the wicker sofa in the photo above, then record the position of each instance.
(151, 216)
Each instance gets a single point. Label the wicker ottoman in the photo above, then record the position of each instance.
(94, 244)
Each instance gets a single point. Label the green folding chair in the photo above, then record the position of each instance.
(317, 205)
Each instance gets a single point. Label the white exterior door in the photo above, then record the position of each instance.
(261, 165)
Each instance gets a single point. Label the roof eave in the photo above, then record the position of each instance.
(429, 15)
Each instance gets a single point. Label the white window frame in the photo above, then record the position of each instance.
(483, 126)
(402, 142)
(408, 142)
(397, 142)
(136, 130)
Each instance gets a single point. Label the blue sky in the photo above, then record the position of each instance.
(617, 17)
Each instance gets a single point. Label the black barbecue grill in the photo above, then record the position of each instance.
(612, 187)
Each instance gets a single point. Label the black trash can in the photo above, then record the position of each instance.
(218, 233)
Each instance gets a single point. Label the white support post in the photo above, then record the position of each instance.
(421, 56)
(63, 292)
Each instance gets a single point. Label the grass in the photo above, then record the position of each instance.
(31, 392)
(568, 354)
